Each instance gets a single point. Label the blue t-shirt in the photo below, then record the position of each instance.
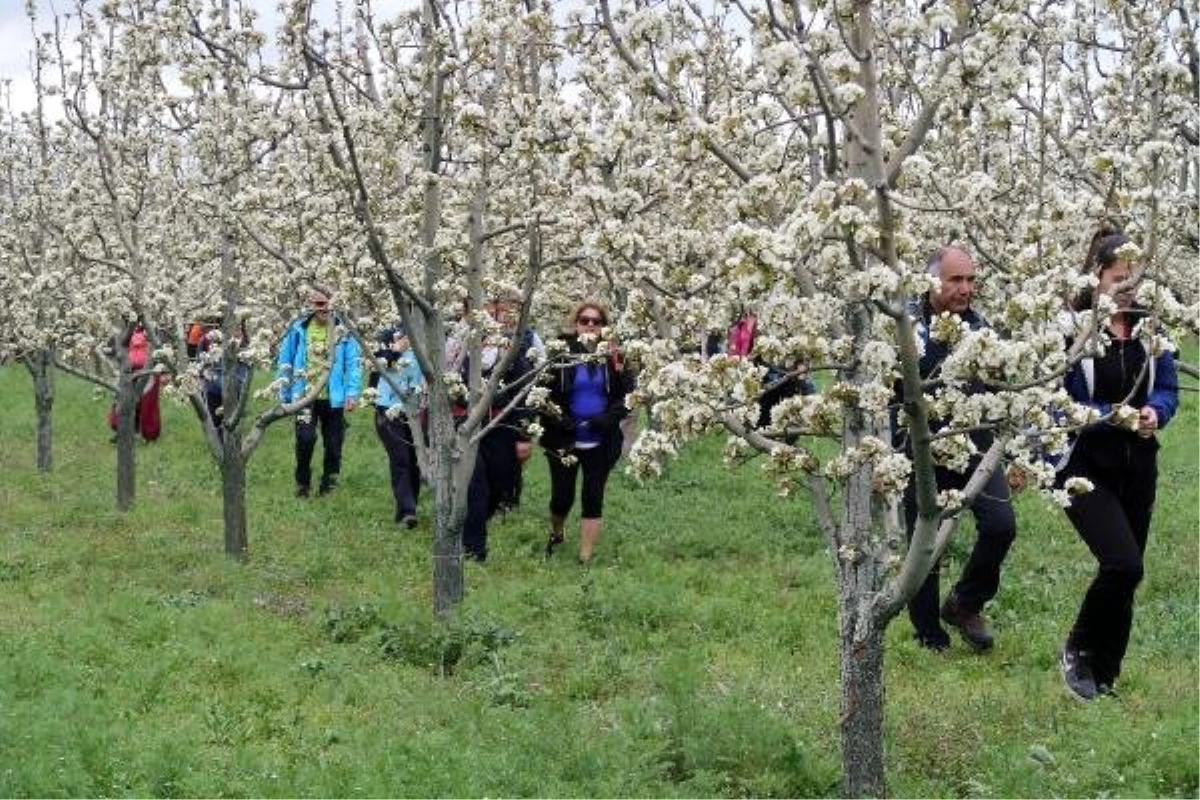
(588, 400)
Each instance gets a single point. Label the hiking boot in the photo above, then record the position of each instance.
(327, 485)
(1077, 673)
(969, 623)
(303, 490)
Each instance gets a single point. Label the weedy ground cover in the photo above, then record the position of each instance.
(697, 656)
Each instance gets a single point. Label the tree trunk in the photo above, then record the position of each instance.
(861, 722)
(41, 367)
(233, 494)
(860, 565)
(862, 555)
(449, 510)
(127, 398)
(447, 555)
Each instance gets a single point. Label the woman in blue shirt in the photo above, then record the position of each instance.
(585, 433)
(399, 382)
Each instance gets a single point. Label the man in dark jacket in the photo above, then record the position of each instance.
(505, 445)
(995, 523)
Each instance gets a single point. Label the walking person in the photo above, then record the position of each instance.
(213, 373)
(1119, 458)
(399, 382)
(505, 446)
(995, 522)
(312, 343)
(585, 435)
(147, 415)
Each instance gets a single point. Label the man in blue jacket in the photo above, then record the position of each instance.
(313, 343)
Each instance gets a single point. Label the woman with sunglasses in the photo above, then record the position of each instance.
(584, 434)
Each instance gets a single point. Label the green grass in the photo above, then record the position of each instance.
(696, 657)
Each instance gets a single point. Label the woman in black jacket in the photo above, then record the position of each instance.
(585, 432)
(1120, 461)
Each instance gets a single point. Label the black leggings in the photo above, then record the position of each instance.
(1114, 521)
(596, 464)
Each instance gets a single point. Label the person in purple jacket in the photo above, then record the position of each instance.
(1118, 456)
(586, 434)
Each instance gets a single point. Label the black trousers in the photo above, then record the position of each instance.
(596, 463)
(333, 432)
(397, 440)
(492, 481)
(1114, 521)
(995, 529)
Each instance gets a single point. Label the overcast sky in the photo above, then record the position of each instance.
(14, 58)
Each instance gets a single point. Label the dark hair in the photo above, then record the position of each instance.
(391, 333)
(1102, 254)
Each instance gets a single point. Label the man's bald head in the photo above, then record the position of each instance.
(956, 269)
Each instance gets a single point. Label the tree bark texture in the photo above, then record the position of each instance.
(449, 507)
(127, 397)
(861, 721)
(860, 569)
(861, 556)
(41, 367)
(233, 494)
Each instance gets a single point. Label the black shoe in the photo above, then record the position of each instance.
(1077, 673)
(475, 555)
(936, 642)
(553, 542)
(303, 490)
(409, 521)
(327, 484)
(972, 627)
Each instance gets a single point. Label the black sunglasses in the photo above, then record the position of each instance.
(589, 321)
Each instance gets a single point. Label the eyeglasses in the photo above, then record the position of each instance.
(588, 321)
(320, 304)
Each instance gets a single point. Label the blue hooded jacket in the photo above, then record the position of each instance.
(345, 377)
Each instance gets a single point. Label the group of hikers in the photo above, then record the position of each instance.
(585, 435)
